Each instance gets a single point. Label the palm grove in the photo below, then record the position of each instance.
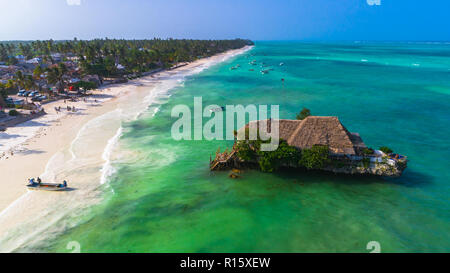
(104, 58)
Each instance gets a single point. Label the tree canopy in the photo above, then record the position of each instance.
(303, 114)
(106, 57)
(101, 56)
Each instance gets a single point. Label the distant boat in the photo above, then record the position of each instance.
(251, 69)
(233, 68)
(281, 64)
(266, 71)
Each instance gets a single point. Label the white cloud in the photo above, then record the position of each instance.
(73, 2)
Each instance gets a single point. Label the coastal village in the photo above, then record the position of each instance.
(26, 86)
(312, 143)
(33, 74)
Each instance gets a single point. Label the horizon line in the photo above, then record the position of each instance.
(253, 40)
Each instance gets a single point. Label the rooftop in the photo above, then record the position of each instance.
(316, 130)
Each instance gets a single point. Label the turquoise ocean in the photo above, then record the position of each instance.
(163, 198)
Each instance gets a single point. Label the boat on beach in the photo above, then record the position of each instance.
(33, 185)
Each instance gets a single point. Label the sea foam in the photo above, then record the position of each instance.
(79, 161)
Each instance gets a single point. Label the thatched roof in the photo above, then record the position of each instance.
(316, 130)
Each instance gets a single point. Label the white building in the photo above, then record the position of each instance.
(20, 58)
(35, 61)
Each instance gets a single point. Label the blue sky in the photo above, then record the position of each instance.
(222, 19)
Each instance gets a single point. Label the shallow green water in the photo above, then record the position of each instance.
(166, 200)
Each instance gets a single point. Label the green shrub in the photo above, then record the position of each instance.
(287, 155)
(269, 161)
(13, 113)
(245, 152)
(366, 162)
(303, 114)
(268, 164)
(368, 151)
(315, 158)
(386, 150)
(86, 85)
(338, 164)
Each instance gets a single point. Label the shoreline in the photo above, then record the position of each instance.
(75, 145)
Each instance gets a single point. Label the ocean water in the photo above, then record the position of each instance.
(161, 196)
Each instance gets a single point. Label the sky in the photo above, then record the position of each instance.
(387, 20)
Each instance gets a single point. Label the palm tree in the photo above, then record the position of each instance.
(37, 75)
(19, 79)
(29, 82)
(56, 76)
(24, 81)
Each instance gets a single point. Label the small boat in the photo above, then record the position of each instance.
(281, 64)
(251, 69)
(33, 185)
(265, 71)
(232, 68)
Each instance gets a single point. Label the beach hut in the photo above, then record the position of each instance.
(316, 130)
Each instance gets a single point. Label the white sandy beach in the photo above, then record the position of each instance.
(77, 147)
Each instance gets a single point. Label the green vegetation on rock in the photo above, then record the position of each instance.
(315, 158)
(386, 150)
